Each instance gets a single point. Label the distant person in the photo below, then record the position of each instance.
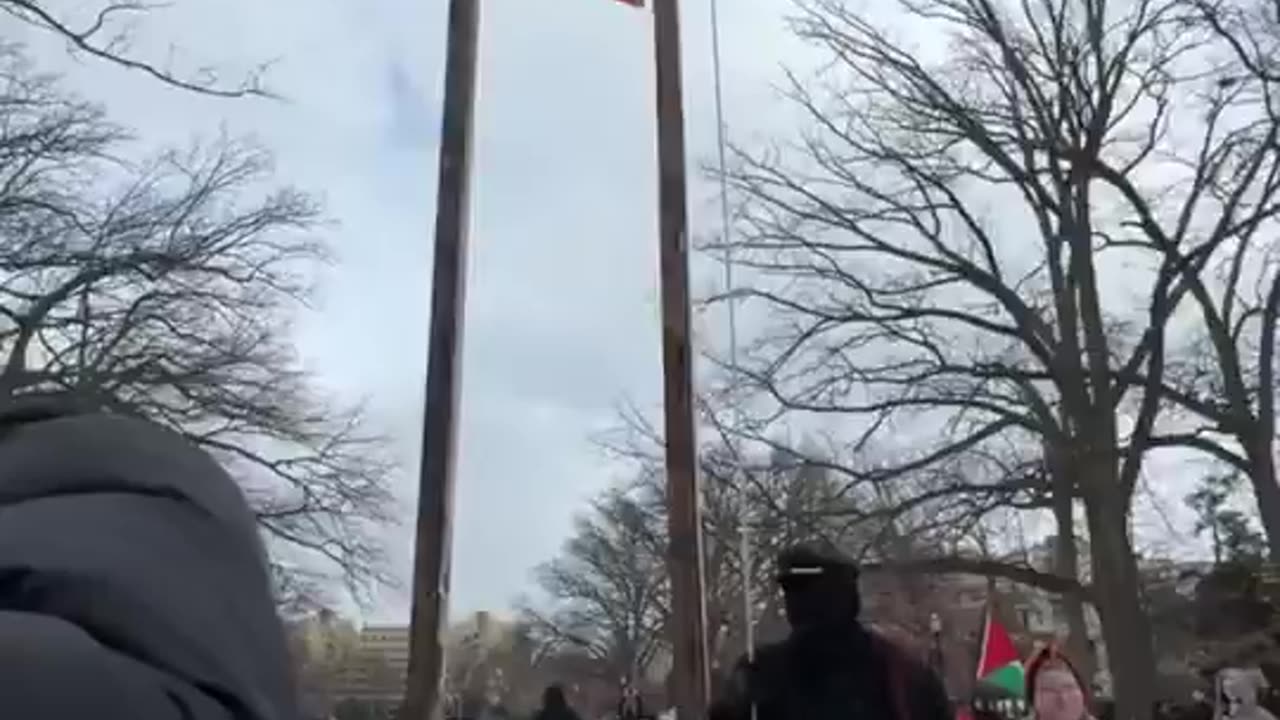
(555, 706)
(630, 706)
(133, 582)
(1056, 689)
(1241, 688)
(830, 667)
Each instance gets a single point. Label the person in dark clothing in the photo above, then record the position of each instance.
(630, 706)
(830, 666)
(133, 583)
(555, 706)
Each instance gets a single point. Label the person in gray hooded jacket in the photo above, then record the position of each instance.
(133, 582)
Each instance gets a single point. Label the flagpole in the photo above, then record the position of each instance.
(691, 673)
(433, 542)
(982, 649)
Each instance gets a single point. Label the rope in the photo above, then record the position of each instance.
(731, 298)
(725, 222)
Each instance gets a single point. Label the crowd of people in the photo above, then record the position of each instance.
(831, 666)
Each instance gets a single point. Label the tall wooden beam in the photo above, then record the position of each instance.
(688, 627)
(433, 543)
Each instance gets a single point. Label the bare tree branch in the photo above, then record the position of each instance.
(166, 288)
(106, 38)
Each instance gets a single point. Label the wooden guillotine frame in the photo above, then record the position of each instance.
(433, 539)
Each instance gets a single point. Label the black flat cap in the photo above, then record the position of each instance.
(815, 559)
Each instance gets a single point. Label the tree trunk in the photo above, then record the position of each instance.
(1066, 563)
(1126, 629)
(1266, 491)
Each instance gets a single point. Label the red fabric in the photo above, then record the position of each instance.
(1051, 655)
(997, 648)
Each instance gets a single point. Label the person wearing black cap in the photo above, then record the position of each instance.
(830, 666)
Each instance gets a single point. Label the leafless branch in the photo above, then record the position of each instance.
(106, 38)
(166, 288)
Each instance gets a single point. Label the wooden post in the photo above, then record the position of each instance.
(688, 627)
(433, 543)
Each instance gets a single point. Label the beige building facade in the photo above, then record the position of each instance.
(338, 661)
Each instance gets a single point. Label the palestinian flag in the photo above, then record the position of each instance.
(999, 664)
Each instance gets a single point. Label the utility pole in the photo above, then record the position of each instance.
(433, 543)
(688, 628)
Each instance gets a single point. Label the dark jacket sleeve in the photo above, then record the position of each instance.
(929, 697)
(132, 580)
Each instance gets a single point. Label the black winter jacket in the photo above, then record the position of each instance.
(846, 673)
(133, 584)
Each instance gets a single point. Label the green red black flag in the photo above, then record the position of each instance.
(999, 664)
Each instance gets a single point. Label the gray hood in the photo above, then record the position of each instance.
(133, 583)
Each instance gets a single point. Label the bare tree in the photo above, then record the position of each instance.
(1224, 381)
(779, 497)
(932, 516)
(165, 289)
(608, 590)
(935, 248)
(103, 32)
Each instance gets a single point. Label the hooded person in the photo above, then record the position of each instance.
(555, 706)
(1241, 688)
(830, 666)
(630, 704)
(1055, 687)
(133, 583)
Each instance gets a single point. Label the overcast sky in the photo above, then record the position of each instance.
(562, 308)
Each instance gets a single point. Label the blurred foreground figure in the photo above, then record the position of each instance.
(555, 706)
(133, 584)
(830, 666)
